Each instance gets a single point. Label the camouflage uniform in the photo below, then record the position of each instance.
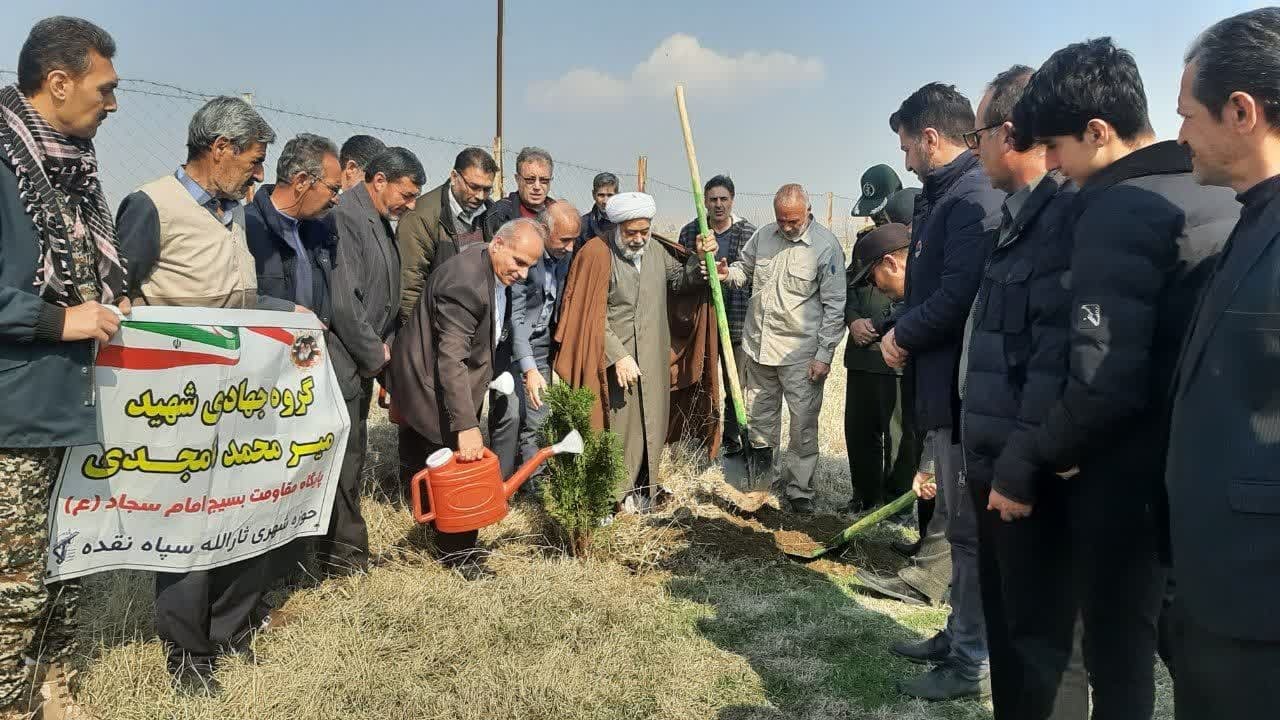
(36, 622)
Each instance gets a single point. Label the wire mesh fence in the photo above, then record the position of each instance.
(146, 138)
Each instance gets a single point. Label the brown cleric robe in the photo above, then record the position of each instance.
(612, 310)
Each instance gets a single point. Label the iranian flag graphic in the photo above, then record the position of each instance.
(164, 346)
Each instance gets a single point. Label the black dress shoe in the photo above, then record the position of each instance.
(932, 651)
(946, 682)
(890, 586)
(195, 679)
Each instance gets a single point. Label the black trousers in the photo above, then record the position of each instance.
(1028, 603)
(1088, 550)
(1221, 677)
(345, 548)
(201, 615)
(414, 450)
(883, 446)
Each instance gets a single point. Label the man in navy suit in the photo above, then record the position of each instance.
(535, 304)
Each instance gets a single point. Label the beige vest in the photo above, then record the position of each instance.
(202, 262)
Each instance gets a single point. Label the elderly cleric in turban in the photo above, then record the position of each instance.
(615, 336)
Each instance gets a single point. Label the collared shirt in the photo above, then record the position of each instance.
(553, 275)
(796, 312)
(464, 220)
(302, 268)
(550, 266)
(220, 208)
(1012, 206)
(499, 308)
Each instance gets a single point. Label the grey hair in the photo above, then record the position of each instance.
(535, 154)
(509, 228)
(228, 117)
(792, 192)
(305, 153)
(547, 215)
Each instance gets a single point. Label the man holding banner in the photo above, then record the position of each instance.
(186, 245)
(60, 262)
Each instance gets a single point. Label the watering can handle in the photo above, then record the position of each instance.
(417, 491)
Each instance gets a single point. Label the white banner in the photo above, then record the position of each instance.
(221, 435)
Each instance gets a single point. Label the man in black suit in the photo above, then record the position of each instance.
(1223, 470)
(448, 353)
(366, 298)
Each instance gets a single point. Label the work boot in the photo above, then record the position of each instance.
(759, 463)
(946, 682)
(932, 651)
(801, 506)
(906, 549)
(890, 586)
(54, 701)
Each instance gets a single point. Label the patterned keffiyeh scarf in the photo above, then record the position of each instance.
(47, 163)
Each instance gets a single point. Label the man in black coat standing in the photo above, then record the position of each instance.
(953, 228)
(1013, 364)
(1223, 473)
(1143, 231)
(366, 301)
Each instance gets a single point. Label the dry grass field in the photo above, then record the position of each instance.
(690, 613)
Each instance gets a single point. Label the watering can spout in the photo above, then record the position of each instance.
(571, 443)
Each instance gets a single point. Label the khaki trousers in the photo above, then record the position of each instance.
(767, 388)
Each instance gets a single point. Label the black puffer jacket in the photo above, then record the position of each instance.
(1021, 329)
(954, 225)
(1143, 232)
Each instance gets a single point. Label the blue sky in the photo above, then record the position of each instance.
(777, 93)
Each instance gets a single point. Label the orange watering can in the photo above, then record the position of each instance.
(467, 496)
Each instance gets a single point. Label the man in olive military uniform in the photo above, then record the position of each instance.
(882, 443)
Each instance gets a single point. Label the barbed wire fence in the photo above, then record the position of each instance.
(146, 138)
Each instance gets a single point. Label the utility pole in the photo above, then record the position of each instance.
(497, 139)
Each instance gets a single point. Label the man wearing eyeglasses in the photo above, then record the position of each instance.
(1013, 363)
(293, 249)
(291, 246)
(533, 190)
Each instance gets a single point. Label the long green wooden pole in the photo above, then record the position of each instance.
(717, 295)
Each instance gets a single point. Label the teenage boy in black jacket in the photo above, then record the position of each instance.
(1143, 230)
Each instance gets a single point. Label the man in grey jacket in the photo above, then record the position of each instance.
(366, 302)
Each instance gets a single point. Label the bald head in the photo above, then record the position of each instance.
(515, 248)
(563, 224)
(791, 210)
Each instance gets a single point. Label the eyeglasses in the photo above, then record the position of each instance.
(333, 189)
(473, 187)
(973, 139)
(536, 180)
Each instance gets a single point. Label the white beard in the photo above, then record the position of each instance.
(631, 256)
